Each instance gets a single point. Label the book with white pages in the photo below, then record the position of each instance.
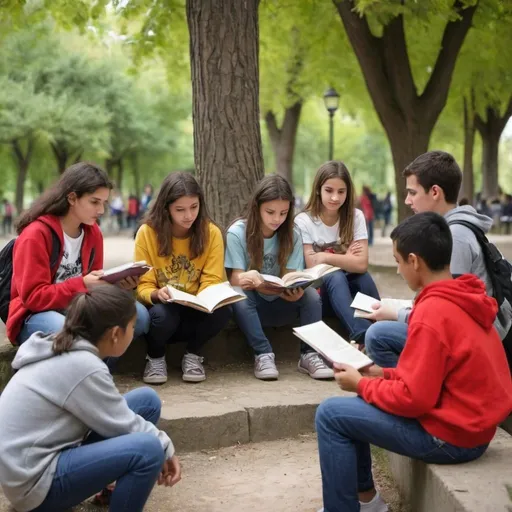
(331, 345)
(298, 279)
(363, 303)
(211, 298)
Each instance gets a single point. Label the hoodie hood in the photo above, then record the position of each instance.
(39, 347)
(467, 292)
(469, 214)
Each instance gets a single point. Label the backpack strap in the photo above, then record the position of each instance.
(491, 257)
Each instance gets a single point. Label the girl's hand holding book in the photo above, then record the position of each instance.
(94, 279)
(250, 280)
(161, 295)
(129, 283)
(292, 295)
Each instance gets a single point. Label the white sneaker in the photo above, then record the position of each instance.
(376, 505)
(155, 371)
(313, 364)
(265, 367)
(193, 369)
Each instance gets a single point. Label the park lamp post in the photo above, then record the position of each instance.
(331, 101)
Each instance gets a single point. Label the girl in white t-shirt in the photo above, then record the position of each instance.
(334, 232)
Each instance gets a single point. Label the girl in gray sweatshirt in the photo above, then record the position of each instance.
(66, 431)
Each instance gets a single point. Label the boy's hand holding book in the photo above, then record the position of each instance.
(382, 311)
(348, 377)
(292, 295)
(160, 295)
(129, 283)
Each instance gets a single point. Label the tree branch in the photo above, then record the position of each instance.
(371, 60)
(398, 66)
(435, 94)
(273, 130)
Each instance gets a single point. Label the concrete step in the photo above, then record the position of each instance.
(484, 485)
(233, 407)
(278, 476)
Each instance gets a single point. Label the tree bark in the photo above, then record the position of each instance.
(120, 173)
(468, 180)
(407, 117)
(136, 173)
(22, 161)
(225, 88)
(61, 156)
(490, 131)
(283, 139)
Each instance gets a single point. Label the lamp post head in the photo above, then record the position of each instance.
(331, 100)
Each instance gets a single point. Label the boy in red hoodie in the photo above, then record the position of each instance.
(435, 405)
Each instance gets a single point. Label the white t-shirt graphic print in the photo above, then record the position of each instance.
(71, 263)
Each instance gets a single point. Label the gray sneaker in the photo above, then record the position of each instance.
(313, 364)
(193, 369)
(265, 367)
(155, 371)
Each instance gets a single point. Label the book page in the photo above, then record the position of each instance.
(331, 345)
(215, 294)
(272, 279)
(178, 295)
(363, 302)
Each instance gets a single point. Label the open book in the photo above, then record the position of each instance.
(116, 274)
(300, 279)
(210, 299)
(363, 304)
(331, 345)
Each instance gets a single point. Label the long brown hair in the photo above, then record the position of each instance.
(270, 188)
(81, 178)
(327, 171)
(91, 314)
(175, 186)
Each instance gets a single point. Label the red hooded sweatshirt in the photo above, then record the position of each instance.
(453, 375)
(32, 288)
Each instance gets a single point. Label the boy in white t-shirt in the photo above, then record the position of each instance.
(334, 232)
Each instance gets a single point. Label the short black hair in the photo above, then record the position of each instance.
(428, 236)
(437, 168)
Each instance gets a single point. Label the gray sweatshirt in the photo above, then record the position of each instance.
(50, 405)
(467, 258)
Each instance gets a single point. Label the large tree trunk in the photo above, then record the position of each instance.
(283, 139)
(490, 131)
(468, 180)
(407, 117)
(225, 87)
(22, 161)
(405, 147)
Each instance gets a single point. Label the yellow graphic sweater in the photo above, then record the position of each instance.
(178, 270)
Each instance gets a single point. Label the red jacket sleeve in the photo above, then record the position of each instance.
(414, 387)
(32, 277)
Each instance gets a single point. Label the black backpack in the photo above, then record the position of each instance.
(6, 268)
(500, 275)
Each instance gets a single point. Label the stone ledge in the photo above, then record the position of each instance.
(478, 486)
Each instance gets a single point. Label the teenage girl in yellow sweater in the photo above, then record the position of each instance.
(186, 251)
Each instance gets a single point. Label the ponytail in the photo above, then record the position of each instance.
(93, 313)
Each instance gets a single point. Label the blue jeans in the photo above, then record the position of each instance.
(133, 461)
(385, 341)
(50, 322)
(255, 312)
(338, 291)
(347, 426)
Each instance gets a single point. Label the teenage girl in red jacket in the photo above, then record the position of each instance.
(67, 212)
